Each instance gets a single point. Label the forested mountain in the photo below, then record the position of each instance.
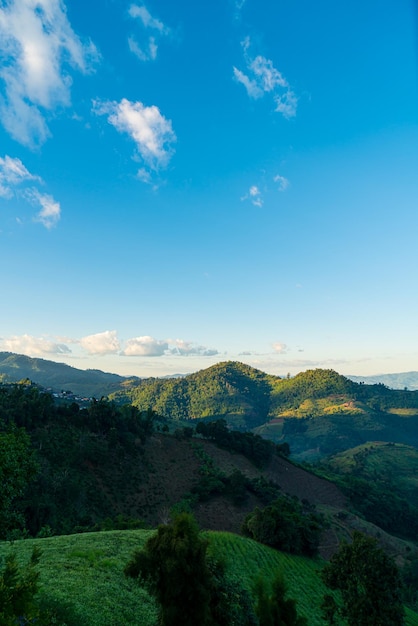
(230, 390)
(58, 376)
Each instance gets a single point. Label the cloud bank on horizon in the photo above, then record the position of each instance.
(105, 343)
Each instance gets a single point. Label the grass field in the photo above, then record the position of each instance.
(83, 575)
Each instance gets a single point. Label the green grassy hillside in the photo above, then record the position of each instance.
(82, 576)
(381, 461)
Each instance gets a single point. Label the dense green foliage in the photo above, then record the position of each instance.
(369, 583)
(48, 452)
(285, 525)
(252, 446)
(17, 468)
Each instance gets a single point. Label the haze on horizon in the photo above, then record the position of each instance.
(187, 184)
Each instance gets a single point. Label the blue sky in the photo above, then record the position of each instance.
(183, 183)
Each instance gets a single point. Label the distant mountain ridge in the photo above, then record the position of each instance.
(408, 380)
(59, 376)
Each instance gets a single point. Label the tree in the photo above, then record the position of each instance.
(173, 566)
(18, 588)
(274, 609)
(369, 582)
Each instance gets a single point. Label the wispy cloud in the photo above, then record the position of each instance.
(147, 127)
(263, 78)
(37, 46)
(141, 12)
(33, 346)
(148, 50)
(50, 210)
(256, 196)
(281, 181)
(106, 342)
(16, 180)
(12, 174)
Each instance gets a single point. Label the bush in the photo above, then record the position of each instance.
(285, 525)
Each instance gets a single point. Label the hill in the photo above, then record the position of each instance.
(230, 390)
(58, 376)
(379, 461)
(320, 413)
(380, 480)
(82, 576)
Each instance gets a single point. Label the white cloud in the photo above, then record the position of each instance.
(187, 348)
(149, 347)
(254, 195)
(145, 346)
(37, 44)
(151, 131)
(33, 346)
(264, 78)
(280, 348)
(282, 182)
(267, 76)
(13, 173)
(50, 211)
(101, 343)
